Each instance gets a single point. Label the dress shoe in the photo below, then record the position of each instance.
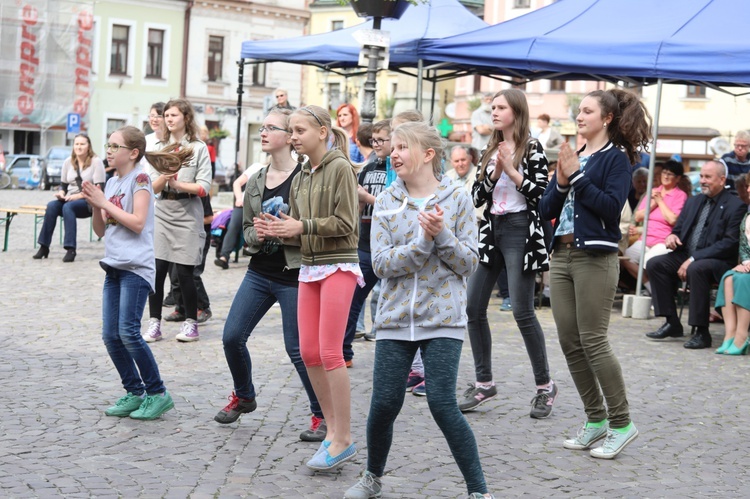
(734, 350)
(667, 330)
(42, 253)
(70, 255)
(701, 339)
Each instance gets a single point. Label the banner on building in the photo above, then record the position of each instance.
(45, 68)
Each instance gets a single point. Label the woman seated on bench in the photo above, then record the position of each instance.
(83, 165)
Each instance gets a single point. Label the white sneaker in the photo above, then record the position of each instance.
(154, 330)
(189, 331)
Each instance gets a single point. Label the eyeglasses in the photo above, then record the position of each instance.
(378, 142)
(741, 146)
(116, 147)
(154, 116)
(667, 173)
(271, 128)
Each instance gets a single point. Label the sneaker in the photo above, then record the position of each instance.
(153, 406)
(317, 431)
(175, 316)
(359, 334)
(479, 495)
(154, 330)
(370, 336)
(615, 442)
(368, 487)
(169, 301)
(323, 461)
(506, 306)
(475, 395)
(124, 406)
(204, 315)
(420, 390)
(189, 331)
(413, 380)
(234, 409)
(541, 404)
(586, 437)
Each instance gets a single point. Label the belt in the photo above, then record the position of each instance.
(559, 245)
(565, 242)
(171, 195)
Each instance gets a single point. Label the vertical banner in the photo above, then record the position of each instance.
(45, 70)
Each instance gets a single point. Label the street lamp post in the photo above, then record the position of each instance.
(369, 107)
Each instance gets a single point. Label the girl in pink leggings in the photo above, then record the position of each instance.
(324, 222)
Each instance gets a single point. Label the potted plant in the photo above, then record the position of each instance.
(380, 8)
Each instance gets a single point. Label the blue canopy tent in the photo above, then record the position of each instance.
(677, 41)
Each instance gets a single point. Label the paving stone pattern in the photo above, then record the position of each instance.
(56, 380)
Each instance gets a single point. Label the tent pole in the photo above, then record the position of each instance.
(419, 84)
(241, 64)
(649, 186)
(432, 105)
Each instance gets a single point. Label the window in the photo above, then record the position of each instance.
(259, 75)
(334, 95)
(696, 92)
(337, 25)
(120, 40)
(114, 124)
(215, 57)
(557, 86)
(155, 54)
(521, 4)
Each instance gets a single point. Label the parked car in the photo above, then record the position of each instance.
(52, 164)
(224, 176)
(25, 168)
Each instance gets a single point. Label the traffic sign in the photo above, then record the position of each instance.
(74, 123)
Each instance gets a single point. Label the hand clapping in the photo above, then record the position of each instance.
(431, 222)
(567, 164)
(283, 226)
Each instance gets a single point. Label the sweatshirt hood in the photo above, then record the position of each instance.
(398, 196)
(327, 158)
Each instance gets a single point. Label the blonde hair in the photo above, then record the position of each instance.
(167, 161)
(317, 116)
(516, 100)
(418, 135)
(410, 115)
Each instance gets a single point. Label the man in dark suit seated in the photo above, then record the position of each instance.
(705, 243)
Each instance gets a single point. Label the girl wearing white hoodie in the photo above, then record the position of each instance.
(424, 246)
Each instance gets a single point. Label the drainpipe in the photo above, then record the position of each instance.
(186, 36)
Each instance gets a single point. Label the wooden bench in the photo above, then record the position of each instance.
(10, 213)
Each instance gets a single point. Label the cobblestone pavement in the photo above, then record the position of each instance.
(56, 379)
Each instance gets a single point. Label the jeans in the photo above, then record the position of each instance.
(582, 286)
(70, 211)
(123, 300)
(392, 363)
(358, 300)
(254, 298)
(233, 233)
(510, 237)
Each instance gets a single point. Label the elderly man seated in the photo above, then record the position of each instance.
(705, 244)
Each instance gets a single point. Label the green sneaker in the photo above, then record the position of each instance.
(615, 442)
(587, 436)
(124, 406)
(153, 407)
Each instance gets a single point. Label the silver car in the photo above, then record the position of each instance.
(52, 165)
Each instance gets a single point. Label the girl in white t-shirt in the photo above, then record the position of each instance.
(124, 213)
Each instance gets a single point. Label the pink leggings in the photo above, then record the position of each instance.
(322, 313)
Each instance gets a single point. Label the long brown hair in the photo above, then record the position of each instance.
(167, 161)
(631, 122)
(516, 100)
(191, 129)
(89, 155)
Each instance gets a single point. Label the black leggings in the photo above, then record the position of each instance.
(392, 363)
(187, 287)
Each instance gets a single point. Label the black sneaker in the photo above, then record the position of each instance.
(474, 396)
(235, 409)
(541, 404)
(175, 316)
(317, 431)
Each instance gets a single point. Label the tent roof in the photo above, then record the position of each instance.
(339, 49)
(686, 41)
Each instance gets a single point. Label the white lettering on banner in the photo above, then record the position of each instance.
(29, 61)
(83, 62)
